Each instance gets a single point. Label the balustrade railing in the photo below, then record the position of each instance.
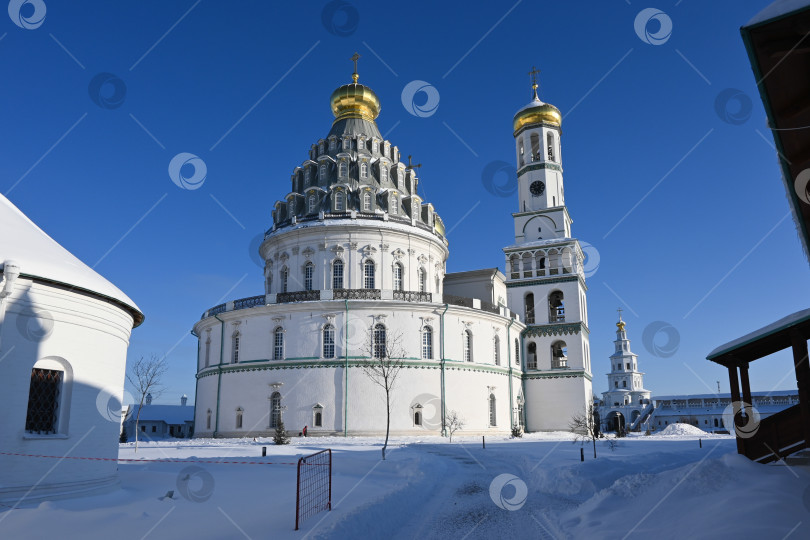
(413, 296)
(298, 296)
(253, 301)
(356, 294)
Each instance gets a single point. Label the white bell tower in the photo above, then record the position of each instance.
(545, 275)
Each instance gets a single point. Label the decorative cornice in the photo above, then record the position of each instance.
(538, 166)
(545, 281)
(557, 375)
(555, 329)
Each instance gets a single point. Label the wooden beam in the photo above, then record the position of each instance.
(802, 367)
(734, 385)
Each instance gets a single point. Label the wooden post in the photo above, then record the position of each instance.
(802, 367)
(734, 384)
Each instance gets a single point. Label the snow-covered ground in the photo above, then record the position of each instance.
(661, 486)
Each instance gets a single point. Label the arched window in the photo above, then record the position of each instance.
(291, 207)
(383, 173)
(320, 148)
(278, 343)
(517, 352)
(367, 202)
(312, 203)
(467, 338)
(208, 419)
(322, 172)
(283, 279)
(531, 360)
(275, 409)
(340, 202)
(427, 343)
(239, 412)
(556, 307)
(235, 348)
(529, 311)
(347, 144)
(368, 274)
(328, 341)
(398, 277)
(268, 284)
(521, 150)
(393, 205)
(550, 145)
(527, 265)
(318, 419)
(379, 341)
(422, 275)
(535, 140)
(307, 175)
(492, 416)
(337, 274)
(309, 270)
(343, 169)
(207, 352)
(363, 170)
(496, 352)
(559, 357)
(417, 418)
(514, 266)
(332, 143)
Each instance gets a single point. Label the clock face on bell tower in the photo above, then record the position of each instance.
(537, 188)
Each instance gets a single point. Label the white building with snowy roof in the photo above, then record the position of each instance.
(64, 333)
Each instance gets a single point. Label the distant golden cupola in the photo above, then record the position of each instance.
(537, 112)
(355, 100)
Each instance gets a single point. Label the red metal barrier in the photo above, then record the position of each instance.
(314, 490)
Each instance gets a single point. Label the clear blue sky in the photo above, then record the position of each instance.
(706, 251)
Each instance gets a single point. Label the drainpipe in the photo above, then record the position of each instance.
(346, 373)
(197, 378)
(509, 360)
(444, 405)
(219, 370)
(523, 381)
(11, 272)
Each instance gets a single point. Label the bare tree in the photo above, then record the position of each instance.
(585, 425)
(144, 376)
(453, 422)
(383, 362)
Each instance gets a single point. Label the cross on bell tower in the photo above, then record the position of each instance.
(533, 74)
(355, 58)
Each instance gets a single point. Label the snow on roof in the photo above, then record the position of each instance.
(772, 328)
(778, 9)
(171, 414)
(39, 255)
(724, 395)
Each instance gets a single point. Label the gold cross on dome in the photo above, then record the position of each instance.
(534, 72)
(354, 59)
(620, 313)
(411, 166)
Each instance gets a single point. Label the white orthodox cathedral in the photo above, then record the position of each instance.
(355, 265)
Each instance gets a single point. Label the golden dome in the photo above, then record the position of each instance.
(355, 101)
(620, 325)
(537, 112)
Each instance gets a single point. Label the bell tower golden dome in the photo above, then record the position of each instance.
(536, 112)
(355, 100)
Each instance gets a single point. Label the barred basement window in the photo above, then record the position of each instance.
(328, 341)
(43, 401)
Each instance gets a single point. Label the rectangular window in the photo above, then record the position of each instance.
(308, 271)
(427, 344)
(43, 401)
(367, 202)
(364, 170)
(278, 345)
(329, 342)
(143, 428)
(337, 275)
(340, 202)
(154, 429)
(347, 144)
(343, 169)
(368, 275)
